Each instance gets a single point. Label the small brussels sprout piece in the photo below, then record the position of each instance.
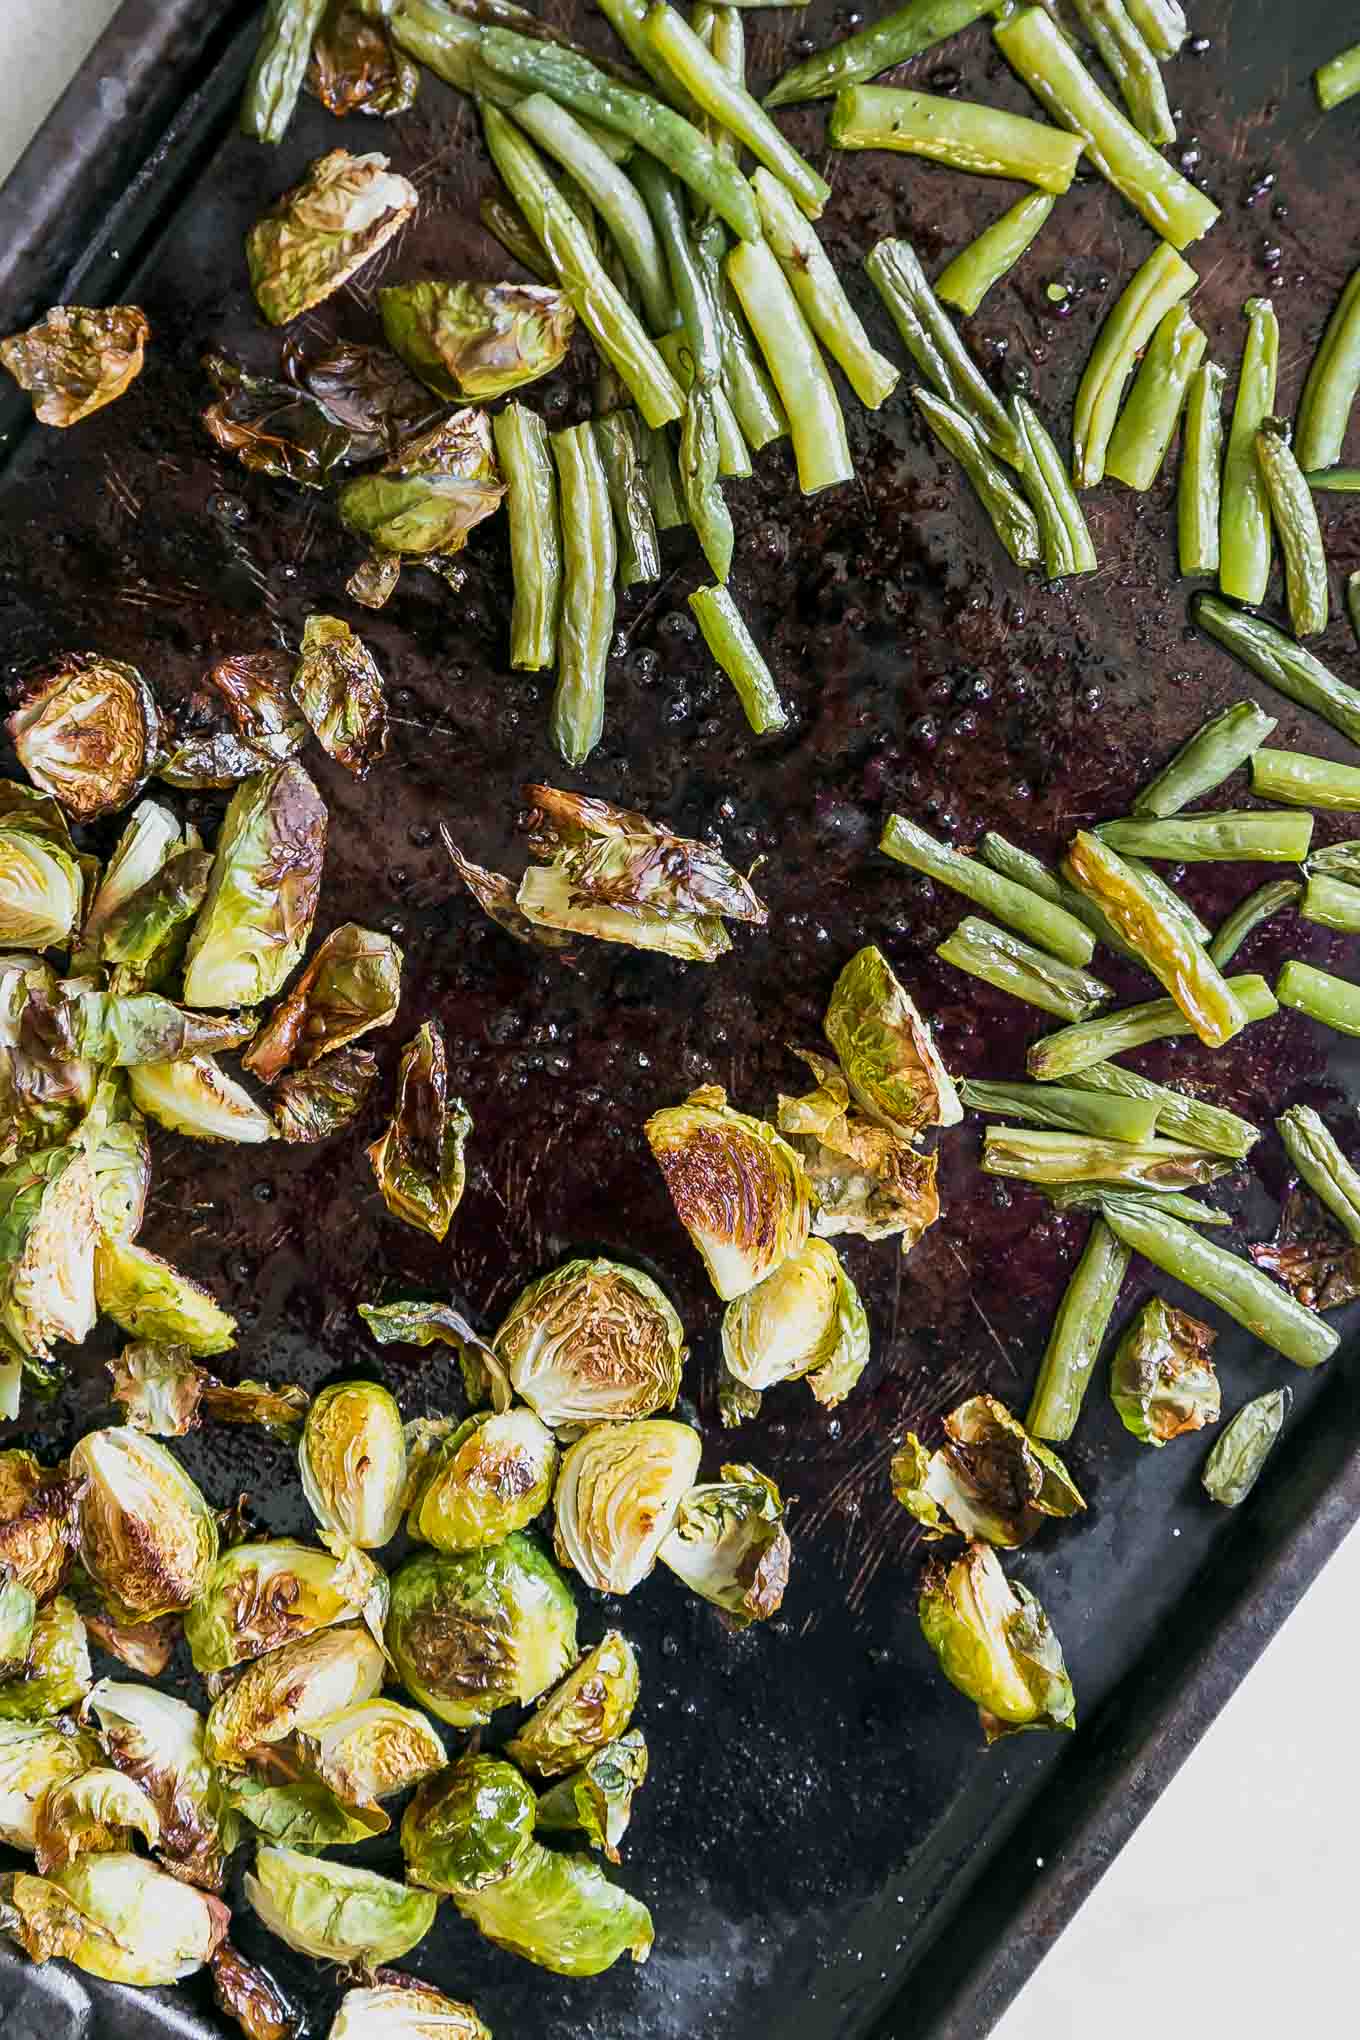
(473, 1631)
(864, 1179)
(302, 1813)
(262, 1595)
(35, 1758)
(351, 985)
(339, 689)
(142, 1027)
(1234, 1466)
(885, 1049)
(468, 1826)
(618, 857)
(337, 1912)
(42, 1097)
(494, 1474)
(477, 340)
(249, 1994)
(433, 492)
(803, 1321)
(47, 1249)
(323, 230)
(18, 1610)
(994, 1644)
(151, 837)
(101, 1809)
(730, 1545)
(547, 898)
(739, 1190)
(598, 1799)
(151, 1300)
(165, 1392)
(291, 1688)
(419, 1162)
(273, 429)
(250, 719)
(120, 1155)
(498, 898)
(404, 2010)
(423, 1324)
(57, 1674)
(617, 1497)
(1162, 1379)
(562, 1912)
(148, 1539)
(39, 1522)
(115, 1916)
(195, 1096)
(989, 1480)
(368, 1752)
(312, 1104)
(353, 1463)
(591, 1708)
(89, 734)
(356, 67)
(158, 1740)
(145, 1647)
(145, 936)
(255, 922)
(77, 359)
(592, 1342)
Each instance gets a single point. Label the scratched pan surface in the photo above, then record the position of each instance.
(825, 1846)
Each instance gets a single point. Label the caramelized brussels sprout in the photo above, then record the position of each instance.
(1162, 1379)
(257, 917)
(158, 1740)
(591, 1708)
(77, 359)
(419, 1161)
(262, 1595)
(248, 1994)
(145, 1647)
(477, 340)
(39, 1522)
(273, 428)
(864, 1179)
(137, 1028)
(323, 230)
(424, 1324)
(592, 1342)
(312, 1104)
(18, 1610)
(164, 1391)
(618, 1494)
(433, 491)
(148, 1539)
(351, 985)
(145, 937)
(616, 857)
(498, 898)
(115, 1916)
(35, 1758)
(301, 1813)
(739, 1190)
(57, 1674)
(101, 1809)
(339, 689)
(494, 1474)
(120, 1155)
(249, 719)
(88, 733)
(598, 1799)
(152, 1300)
(562, 1912)
(356, 67)
(42, 1096)
(290, 1689)
(402, 2009)
(995, 1645)
(41, 885)
(195, 1096)
(477, 1630)
(885, 1049)
(989, 1480)
(803, 1321)
(353, 1463)
(467, 1827)
(337, 1912)
(47, 1249)
(730, 1545)
(1310, 1254)
(370, 1751)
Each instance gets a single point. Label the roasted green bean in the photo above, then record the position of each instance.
(1314, 1152)
(933, 342)
(1063, 529)
(1200, 489)
(1079, 1329)
(1244, 520)
(635, 527)
(958, 132)
(820, 448)
(1148, 421)
(1038, 1155)
(1162, 25)
(612, 193)
(818, 290)
(1233, 835)
(967, 279)
(586, 626)
(1050, 927)
(535, 536)
(1183, 1117)
(1066, 1109)
(1268, 900)
(1015, 966)
(1131, 63)
(1331, 903)
(1212, 755)
(897, 37)
(1303, 781)
(1095, 1041)
(1335, 1001)
(734, 649)
(1333, 379)
(1130, 324)
(1338, 79)
(275, 79)
(1294, 515)
(1289, 667)
(699, 465)
(1012, 519)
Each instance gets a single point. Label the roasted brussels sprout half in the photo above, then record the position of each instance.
(77, 359)
(47, 1249)
(617, 857)
(598, 1799)
(42, 881)
(301, 1813)
(432, 493)
(195, 1096)
(312, 1104)
(115, 1916)
(292, 1688)
(419, 1162)
(339, 689)
(989, 1480)
(618, 1494)
(151, 837)
(351, 985)
(323, 230)
(805, 1321)
(864, 1179)
(492, 1475)
(995, 1645)
(43, 1097)
(39, 1522)
(739, 1190)
(273, 428)
(262, 1595)
(158, 1740)
(591, 1708)
(148, 1539)
(592, 1342)
(1162, 1379)
(337, 1912)
(370, 1751)
(249, 1994)
(473, 1631)
(57, 1674)
(257, 917)
(477, 340)
(101, 1809)
(885, 1049)
(35, 1758)
(562, 1912)
(402, 2009)
(18, 1611)
(165, 1392)
(468, 1826)
(730, 1545)
(121, 1031)
(151, 1300)
(357, 68)
(353, 1463)
(88, 733)
(425, 1324)
(145, 937)
(246, 718)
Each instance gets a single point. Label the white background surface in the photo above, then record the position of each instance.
(1234, 1913)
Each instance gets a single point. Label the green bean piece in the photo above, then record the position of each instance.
(1341, 480)
(1231, 836)
(734, 457)
(1268, 900)
(1212, 755)
(903, 34)
(535, 536)
(698, 314)
(933, 342)
(1077, 1336)
(1331, 903)
(275, 79)
(1338, 79)
(1236, 1286)
(1199, 492)
(734, 649)
(628, 20)
(820, 449)
(1027, 870)
(724, 100)
(590, 561)
(1031, 974)
(704, 500)
(1289, 667)
(722, 34)
(1012, 519)
(663, 477)
(1242, 1448)
(1167, 900)
(1036, 1155)
(1335, 1001)
(1036, 48)
(966, 280)
(1339, 860)
(1303, 781)
(746, 385)
(1093, 1196)
(1294, 515)
(1038, 920)
(1162, 25)
(1148, 421)
(817, 288)
(1065, 1109)
(1132, 65)
(1094, 1041)
(1183, 1117)
(1063, 530)
(613, 195)
(1244, 517)
(503, 219)
(1315, 1154)
(1333, 379)
(620, 451)
(1160, 284)
(958, 132)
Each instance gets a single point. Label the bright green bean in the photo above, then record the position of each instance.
(1230, 836)
(734, 457)
(628, 19)
(271, 91)
(734, 649)
(818, 290)
(1244, 519)
(746, 385)
(612, 193)
(1068, 1110)
(1162, 25)
(1340, 860)
(1268, 900)
(933, 342)
(966, 136)
(1147, 424)
(1031, 974)
(820, 448)
(1338, 79)
(1294, 515)
(966, 280)
(663, 477)
(1333, 379)
(1051, 928)
(1066, 536)
(630, 498)
(1303, 781)
(1199, 492)
(1030, 871)
(535, 536)
(1168, 900)
(1162, 282)
(897, 37)
(1012, 519)
(1094, 1196)
(1129, 61)
(1078, 1332)
(1335, 1001)
(1344, 481)
(665, 201)
(1037, 1155)
(1212, 755)
(1185, 1118)
(1289, 667)
(1315, 1154)
(586, 626)
(1331, 903)
(699, 464)
(1095, 1041)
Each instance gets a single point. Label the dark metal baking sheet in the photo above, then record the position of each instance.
(825, 1847)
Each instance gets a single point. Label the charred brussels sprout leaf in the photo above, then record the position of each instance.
(39, 1522)
(312, 1104)
(593, 1341)
(153, 1301)
(317, 236)
(195, 1096)
(150, 837)
(1162, 1379)
(618, 1494)
(290, 1689)
(302, 1813)
(730, 1545)
(146, 934)
(357, 68)
(371, 1751)
(35, 1758)
(885, 1049)
(42, 887)
(263, 1595)
(18, 1610)
(591, 1708)
(994, 1644)
(247, 722)
(425, 1324)
(803, 1321)
(47, 1249)
(864, 1179)
(145, 1647)
(431, 493)
(115, 1916)
(351, 985)
(42, 1096)
(158, 1740)
(402, 2009)
(353, 1463)
(494, 1474)
(497, 896)
(739, 1190)
(57, 1674)
(76, 360)
(478, 1630)
(617, 858)
(148, 1539)
(102, 1809)
(120, 1155)
(598, 1799)
(468, 1826)
(339, 689)
(257, 917)
(89, 733)
(159, 1387)
(337, 1912)
(249, 1995)
(1311, 1255)
(562, 1912)
(365, 389)
(989, 1479)
(274, 428)
(477, 340)
(419, 1160)
(1234, 1466)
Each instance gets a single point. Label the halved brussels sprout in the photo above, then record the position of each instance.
(151, 1300)
(546, 898)
(739, 1190)
(164, 1391)
(498, 898)
(255, 923)
(158, 1740)
(323, 230)
(1162, 1379)
(146, 936)
(35, 1758)
(886, 1051)
(337, 1912)
(561, 1912)
(730, 1545)
(805, 1321)
(351, 985)
(292, 1688)
(122, 1031)
(195, 1096)
(312, 1104)
(57, 1674)
(617, 857)
(39, 1522)
(88, 733)
(494, 1474)
(262, 1595)
(115, 1916)
(249, 1994)
(477, 1630)
(262, 726)
(598, 1799)
(477, 340)
(591, 1342)
(301, 1813)
(994, 1644)
(467, 1827)
(864, 1179)
(425, 1324)
(371, 1751)
(152, 836)
(617, 1497)
(419, 1162)
(77, 359)
(18, 1611)
(591, 1708)
(47, 1249)
(339, 689)
(353, 1463)
(432, 493)
(402, 2009)
(42, 1097)
(120, 1155)
(101, 1809)
(989, 1480)
(148, 1539)
(42, 885)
